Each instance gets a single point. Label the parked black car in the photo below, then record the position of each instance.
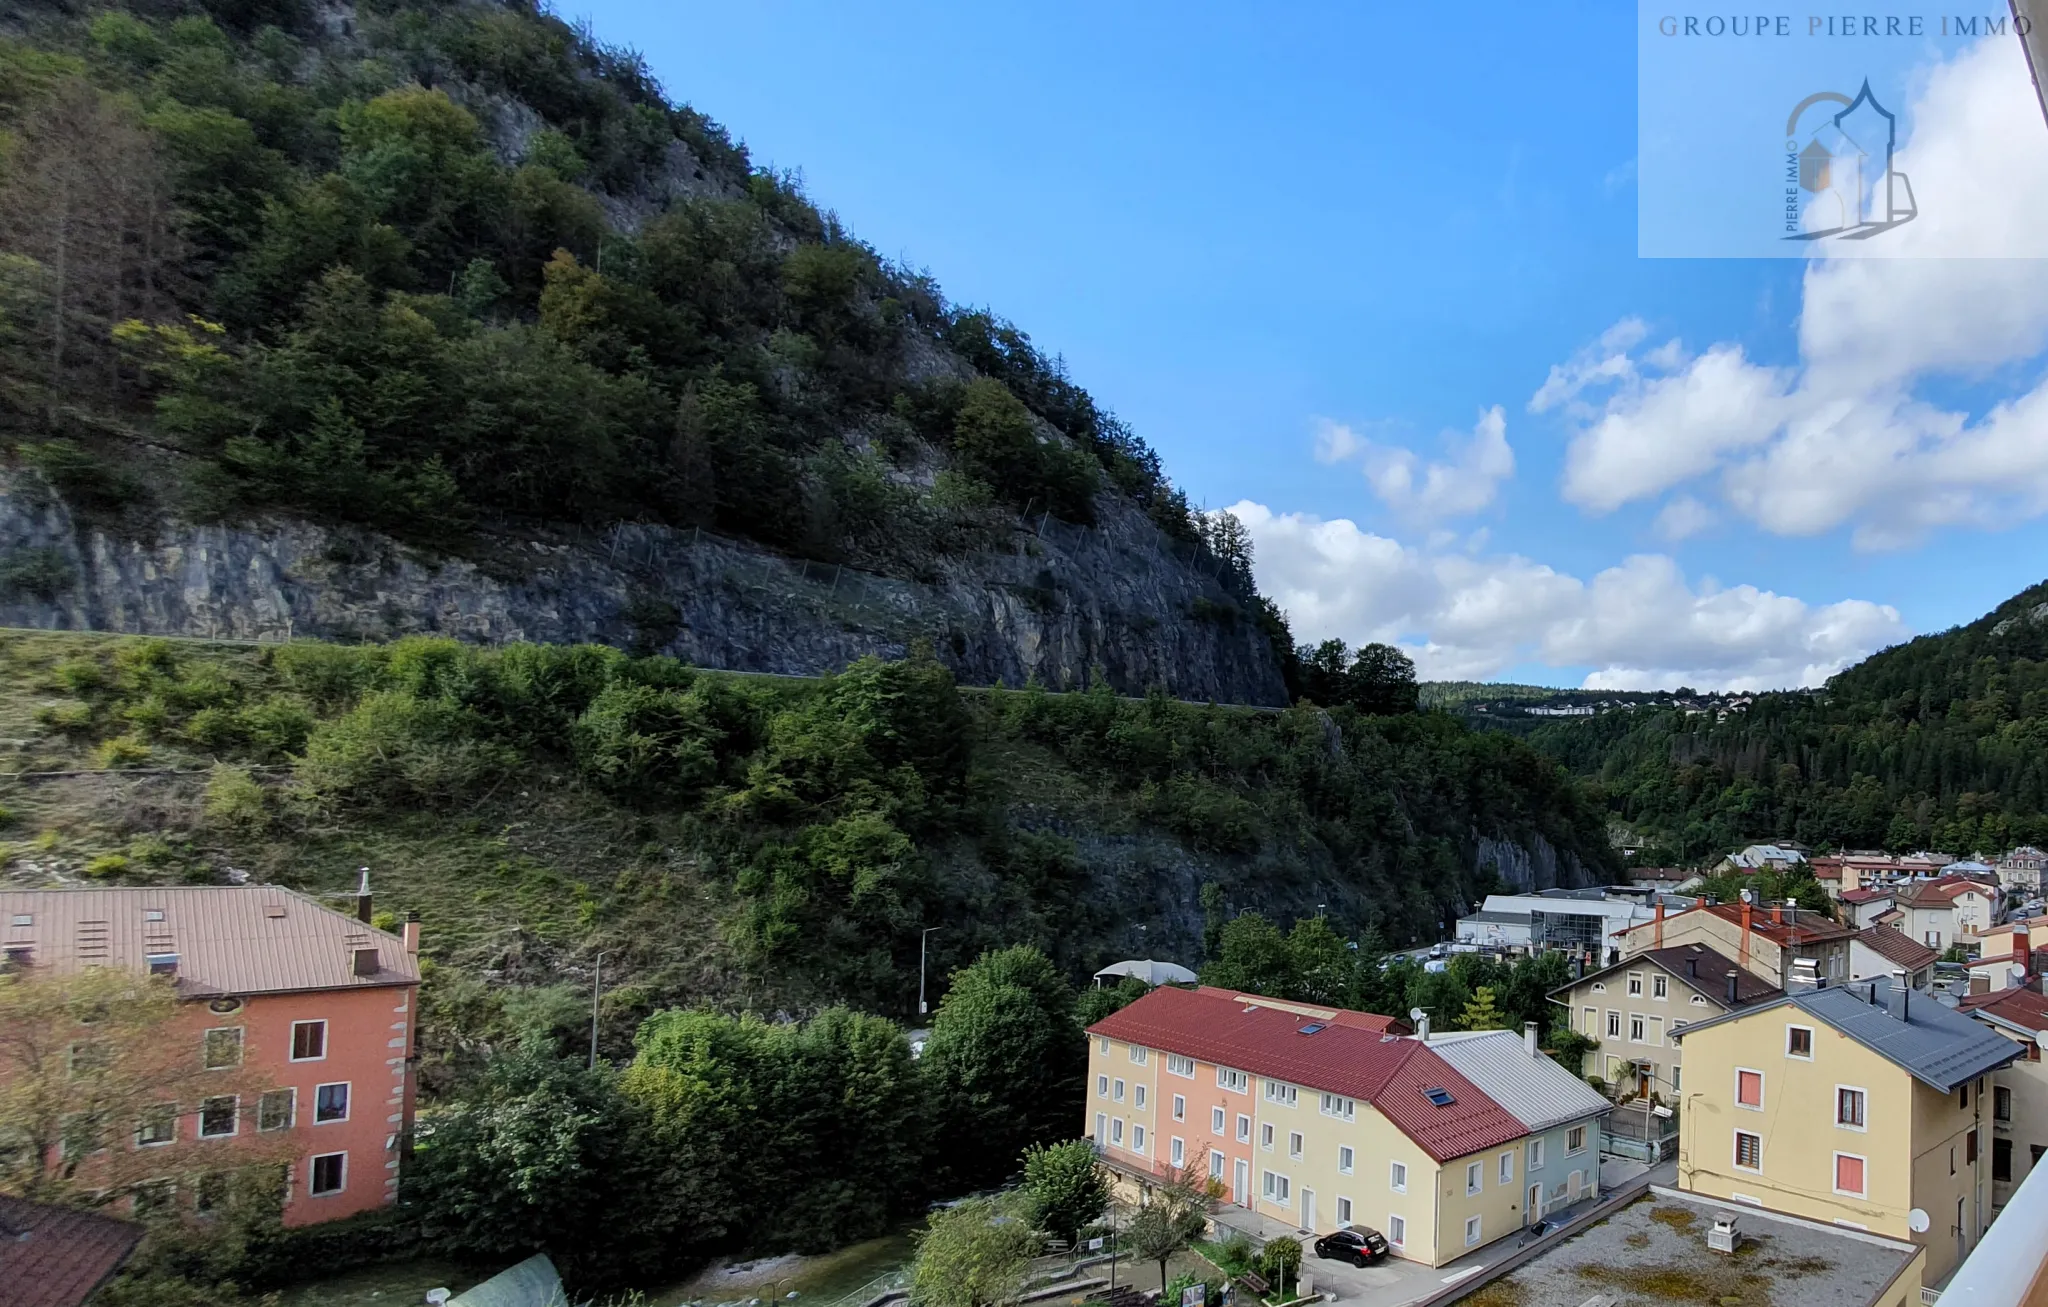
(1361, 1245)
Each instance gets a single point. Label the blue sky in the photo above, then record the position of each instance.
(1265, 233)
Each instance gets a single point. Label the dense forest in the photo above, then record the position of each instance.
(1941, 742)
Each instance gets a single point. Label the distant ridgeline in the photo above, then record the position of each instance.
(1941, 742)
(455, 274)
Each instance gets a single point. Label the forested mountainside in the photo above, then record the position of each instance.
(1941, 742)
(746, 842)
(308, 299)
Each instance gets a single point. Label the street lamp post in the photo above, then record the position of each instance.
(596, 990)
(923, 951)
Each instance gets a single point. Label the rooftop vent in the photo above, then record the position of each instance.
(152, 914)
(1440, 1096)
(1311, 1028)
(275, 911)
(1724, 1237)
(365, 961)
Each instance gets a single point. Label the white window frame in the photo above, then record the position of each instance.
(1235, 1081)
(313, 1169)
(1116, 1090)
(1138, 1096)
(321, 1056)
(1137, 1138)
(1180, 1108)
(1178, 1064)
(1507, 1168)
(1177, 1150)
(1139, 1053)
(1295, 1144)
(1265, 1136)
(348, 1107)
(1101, 1129)
(1116, 1131)
(1535, 1155)
(1762, 1090)
(1347, 1159)
(1343, 1210)
(1807, 1056)
(1635, 984)
(1397, 1229)
(1735, 1151)
(1862, 1105)
(1219, 1120)
(1244, 1128)
(1614, 1023)
(291, 1112)
(1475, 1230)
(1576, 1132)
(1475, 1177)
(1286, 1095)
(1102, 1047)
(1336, 1105)
(1835, 1175)
(241, 1046)
(166, 1113)
(1102, 1086)
(1397, 1177)
(234, 1116)
(1638, 1026)
(1660, 987)
(1215, 1164)
(1592, 1023)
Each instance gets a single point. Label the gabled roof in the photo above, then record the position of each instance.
(1941, 893)
(58, 1256)
(2025, 1008)
(1933, 1043)
(1337, 1016)
(1703, 968)
(1791, 926)
(1340, 1056)
(1867, 895)
(1536, 1090)
(1892, 944)
(228, 939)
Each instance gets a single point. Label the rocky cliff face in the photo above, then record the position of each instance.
(1118, 597)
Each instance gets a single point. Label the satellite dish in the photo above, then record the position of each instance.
(1916, 1221)
(1416, 1014)
(1749, 896)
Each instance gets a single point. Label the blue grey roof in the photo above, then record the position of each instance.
(1935, 1044)
(1535, 1090)
(1486, 917)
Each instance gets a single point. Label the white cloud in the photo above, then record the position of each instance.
(1465, 483)
(1466, 616)
(1844, 439)
(1683, 518)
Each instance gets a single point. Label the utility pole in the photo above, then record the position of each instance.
(923, 951)
(596, 989)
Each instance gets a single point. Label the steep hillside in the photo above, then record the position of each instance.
(1941, 742)
(750, 842)
(421, 315)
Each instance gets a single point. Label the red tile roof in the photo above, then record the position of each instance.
(1337, 1016)
(2023, 1007)
(66, 1255)
(1865, 895)
(1942, 891)
(1346, 1057)
(1803, 926)
(1893, 945)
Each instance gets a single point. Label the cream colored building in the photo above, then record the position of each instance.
(2019, 1094)
(1323, 1118)
(1764, 941)
(1634, 1009)
(1863, 1106)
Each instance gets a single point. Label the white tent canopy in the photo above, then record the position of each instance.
(1152, 973)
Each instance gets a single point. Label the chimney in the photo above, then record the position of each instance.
(1746, 925)
(363, 897)
(1900, 995)
(1529, 1039)
(1660, 923)
(1777, 915)
(1422, 1027)
(365, 961)
(2022, 952)
(412, 933)
(1734, 979)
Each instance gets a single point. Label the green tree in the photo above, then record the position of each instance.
(1065, 1186)
(1481, 1013)
(972, 1254)
(1004, 1063)
(1251, 955)
(1098, 1001)
(1173, 1217)
(1281, 1260)
(1321, 964)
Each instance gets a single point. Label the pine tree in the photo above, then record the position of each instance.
(1482, 1013)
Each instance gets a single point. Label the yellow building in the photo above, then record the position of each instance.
(1323, 1118)
(1862, 1106)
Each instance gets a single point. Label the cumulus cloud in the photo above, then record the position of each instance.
(1464, 616)
(1846, 438)
(1683, 518)
(1465, 482)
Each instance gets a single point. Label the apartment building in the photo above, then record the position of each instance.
(1559, 1110)
(1320, 1118)
(1862, 907)
(1863, 1106)
(1941, 912)
(1877, 951)
(311, 1006)
(1764, 941)
(2019, 1091)
(1634, 1009)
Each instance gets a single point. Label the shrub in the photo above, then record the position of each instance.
(393, 746)
(39, 573)
(234, 800)
(7, 817)
(107, 866)
(118, 752)
(66, 715)
(638, 740)
(81, 675)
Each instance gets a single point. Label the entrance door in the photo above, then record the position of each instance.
(1573, 1182)
(1241, 1183)
(1534, 1211)
(1308, 1209)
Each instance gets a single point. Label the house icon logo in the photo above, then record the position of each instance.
(1840, 181)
